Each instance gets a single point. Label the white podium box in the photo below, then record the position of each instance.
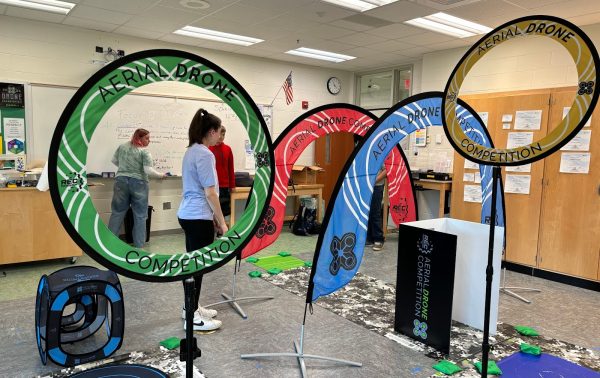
(468, 304)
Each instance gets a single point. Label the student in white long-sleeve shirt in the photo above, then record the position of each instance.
(131, 185)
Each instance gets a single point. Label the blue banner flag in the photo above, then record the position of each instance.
(340, 246)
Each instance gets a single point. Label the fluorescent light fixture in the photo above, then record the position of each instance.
(360, 5)
(53, 6)
(320, 54)
(192, 31)
(449, 25)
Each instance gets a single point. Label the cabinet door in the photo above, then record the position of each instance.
(570, 219)
(522, 210)
(459, 208)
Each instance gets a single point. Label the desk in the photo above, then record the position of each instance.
(441, 186)
(241, 193)
(31, 230)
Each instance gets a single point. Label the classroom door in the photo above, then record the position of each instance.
(331, 153)
(570, 219)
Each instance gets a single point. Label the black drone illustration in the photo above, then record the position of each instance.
(267, 226)
(343, 254)
(262, 159)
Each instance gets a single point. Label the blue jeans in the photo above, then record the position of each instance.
(129, 191)
(375, 226)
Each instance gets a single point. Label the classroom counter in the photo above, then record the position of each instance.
(31, 229)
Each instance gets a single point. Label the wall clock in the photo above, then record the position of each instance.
(334, 85)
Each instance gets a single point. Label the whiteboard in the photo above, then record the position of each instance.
(167, 119)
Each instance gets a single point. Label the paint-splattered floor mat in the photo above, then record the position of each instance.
(160, 358)
(370, 303)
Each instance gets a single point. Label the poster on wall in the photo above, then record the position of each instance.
(12, 119)
(12, 95)
(14, 135)
(425, 285)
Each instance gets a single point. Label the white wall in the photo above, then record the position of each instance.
(40, 52)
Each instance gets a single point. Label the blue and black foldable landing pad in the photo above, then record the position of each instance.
(124, 370)
(520, 365)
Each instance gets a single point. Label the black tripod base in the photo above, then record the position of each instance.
(196, 352)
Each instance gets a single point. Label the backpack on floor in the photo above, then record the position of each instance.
(305, 221)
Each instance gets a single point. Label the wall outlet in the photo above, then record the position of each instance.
(166, 205)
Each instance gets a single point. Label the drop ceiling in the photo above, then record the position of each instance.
(378, 38)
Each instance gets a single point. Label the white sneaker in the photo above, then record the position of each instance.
(202, 312)
(203, 324)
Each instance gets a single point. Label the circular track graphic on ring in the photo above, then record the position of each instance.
(68, 156)
(585, 56)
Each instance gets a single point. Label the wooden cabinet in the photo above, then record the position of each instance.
(570, 219)
(30, 229)
(555, 226)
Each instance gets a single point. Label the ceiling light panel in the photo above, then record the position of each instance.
(53, 6)
(449, 25)
(360, 5)
(320, 54)
(192, 31)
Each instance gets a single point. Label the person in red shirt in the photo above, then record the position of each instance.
(225, 172)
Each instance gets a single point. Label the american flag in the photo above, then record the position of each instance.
(287, 88)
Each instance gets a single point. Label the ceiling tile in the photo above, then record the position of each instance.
(141, 33)
(227, 27)
(34, 14)
(290, 22)
(99, 15)
(360, 39)
(360, 52)
(533, 4)
(415, 52)
(391, 45)
(276, 5)
(571, 8)
(400, 11)
(162, 19)
(450, 44)
(322, 12)
(192, 6)
(427, 38)
(395, 31)
(244, 15)
(477, 12)
(350, 25)
(327, 32)
(90, 24)
(129, 6)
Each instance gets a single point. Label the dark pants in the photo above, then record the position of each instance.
(225, 201)
(198, 233)
(375, 226)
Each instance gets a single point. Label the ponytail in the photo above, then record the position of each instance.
(202, 123)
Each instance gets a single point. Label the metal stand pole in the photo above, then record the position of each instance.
(485, 346)
(188, 348)
(232, 300)
(300, 355)
(509, 289)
